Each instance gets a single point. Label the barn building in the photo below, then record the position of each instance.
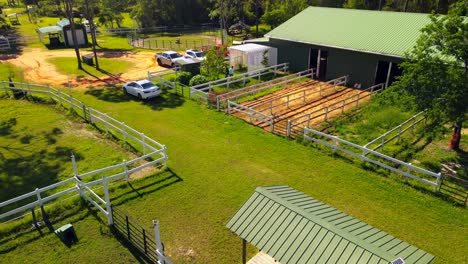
(366, 45)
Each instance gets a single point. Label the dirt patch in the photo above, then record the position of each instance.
(38, 70)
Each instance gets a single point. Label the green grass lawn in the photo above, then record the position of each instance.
(219, 160)
(36, 143)
(10, 70)
(424, 147)
(108, 67)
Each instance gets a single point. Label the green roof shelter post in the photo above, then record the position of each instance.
(292, 227)
(244, 251)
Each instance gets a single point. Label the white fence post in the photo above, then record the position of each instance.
(75, 169)
(408, 171)
(157, 239)
(124, 133)
(110, 220)
(105, 123)
(125, 169)
(143, 143)
(165, 156)
(439, 182)
(39, 198)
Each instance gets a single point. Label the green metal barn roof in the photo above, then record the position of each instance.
(295, 228)
(381, 32)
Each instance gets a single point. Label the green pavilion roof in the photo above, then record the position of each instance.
(295, 228)
(380, 32)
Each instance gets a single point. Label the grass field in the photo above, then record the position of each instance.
(423, 147)
(220, 160)
(37, 142)
(10, 70)
(108, 67)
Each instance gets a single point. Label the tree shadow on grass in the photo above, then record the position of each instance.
(114, 94)
(149, 184)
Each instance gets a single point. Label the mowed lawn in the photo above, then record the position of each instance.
(36, 144)
(219, 161)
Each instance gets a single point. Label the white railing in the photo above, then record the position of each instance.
(400, 129)
(251, 113)
(252, 90)
(400, 167)
(307, 119)
(150, 148)
(300, 95)
(202, 90)
(162, 82)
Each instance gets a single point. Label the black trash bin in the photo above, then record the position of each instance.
(88, 59)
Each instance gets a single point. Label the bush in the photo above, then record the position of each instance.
(198, 79)
(184, 77)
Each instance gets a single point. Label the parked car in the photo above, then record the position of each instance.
(195, 54)
(143, 89)
(168, 58)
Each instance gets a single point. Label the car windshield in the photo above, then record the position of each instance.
(175, 55)
(147, 85)
(200, 54)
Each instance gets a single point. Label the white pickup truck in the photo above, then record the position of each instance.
(168, 58)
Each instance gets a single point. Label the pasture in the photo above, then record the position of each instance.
(218, 161)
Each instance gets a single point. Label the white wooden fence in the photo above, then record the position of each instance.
(397, 131)
(158, 77)
(300, 95)
(202, 91)
(400, 167)
(307, 120)
(253, 115)
(151, 149)
(253, 90)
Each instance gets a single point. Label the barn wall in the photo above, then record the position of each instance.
(361, 67)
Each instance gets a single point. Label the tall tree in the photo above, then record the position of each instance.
(70, 16)
(435, 72)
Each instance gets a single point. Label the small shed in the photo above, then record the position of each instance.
(61, 34)
(292, 227)
(254, 56)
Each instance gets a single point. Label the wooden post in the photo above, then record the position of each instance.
(84, 111)
(399, 134)
(244, 251)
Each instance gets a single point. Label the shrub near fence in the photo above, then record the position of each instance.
(202, 91)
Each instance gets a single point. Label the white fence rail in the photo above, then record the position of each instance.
(400, 129)
(253, 115)
(400, 167)
(202, 90)
(307, 119)
(151, 149)
(300, 95)
(252, 90)
(158, 76)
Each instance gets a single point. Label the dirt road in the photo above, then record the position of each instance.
(38, 70)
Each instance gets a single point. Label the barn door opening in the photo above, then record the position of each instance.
(394, 72)
(313, 57)
(323, 62)
(381, 72)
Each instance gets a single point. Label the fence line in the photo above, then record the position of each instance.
(202, 90)
(155, 44)
(259, 116)
(362, 152)
(325, 111)
(133, 232)
(162, 82)
(259, 87)
(290, 96)
(160, 29)
(400, 128)
(157, 151)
